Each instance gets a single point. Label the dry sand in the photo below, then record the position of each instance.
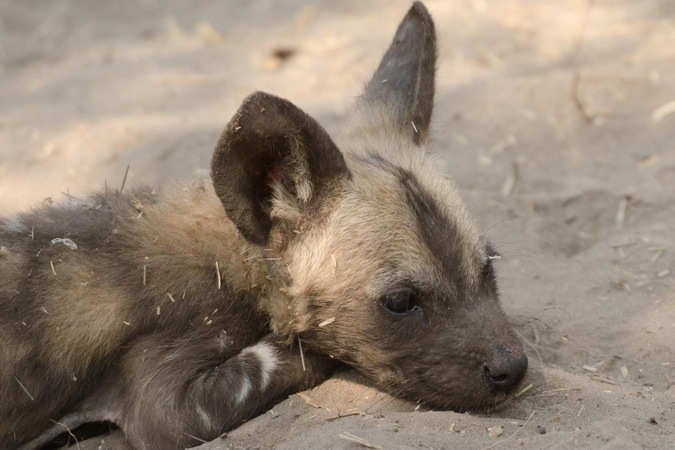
(555, 118)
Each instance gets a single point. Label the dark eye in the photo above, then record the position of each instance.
(402, 302)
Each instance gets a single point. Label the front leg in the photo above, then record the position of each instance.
(181, 395)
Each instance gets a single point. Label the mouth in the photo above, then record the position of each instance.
(500, 402)
(475, 388)
(453, 396)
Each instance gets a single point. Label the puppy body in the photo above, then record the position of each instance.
(178, 313)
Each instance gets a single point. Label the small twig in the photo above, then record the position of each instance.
(124, 180)
(601, 380)
(195, 438)
(559, 390)
(309, 401)
(327, 322)
(51, 263)
(218, 275)
(663, 111)
(357, 440)
(621, 211)
(511, 181)
(340, 416)
(624, 244)
(658, 253)
(524, 390)
(531, 345)
(577, 101)
(67, 194)
(24, 388)
(77, 443)
(512, 436)
(573, 62)
(302, 355)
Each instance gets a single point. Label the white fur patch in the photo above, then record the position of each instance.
(206, 419)
(14, 225)
(268, 358)
(304, 190)
(244, 390)
(65, 241)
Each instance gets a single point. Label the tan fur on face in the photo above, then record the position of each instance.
(371, 131)
(372, 240)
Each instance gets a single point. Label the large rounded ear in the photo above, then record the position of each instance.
(268, 141)
(403, 84)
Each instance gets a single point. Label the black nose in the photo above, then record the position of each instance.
(505, 371)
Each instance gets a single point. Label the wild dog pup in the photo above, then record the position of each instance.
(176, 314)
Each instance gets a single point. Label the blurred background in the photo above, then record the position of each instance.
(91, 86)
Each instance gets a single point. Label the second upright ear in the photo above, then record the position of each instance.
(403, 84)
(270, 140)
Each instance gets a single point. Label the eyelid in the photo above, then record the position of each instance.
(410, 295)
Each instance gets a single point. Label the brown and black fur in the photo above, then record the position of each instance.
(176, 313)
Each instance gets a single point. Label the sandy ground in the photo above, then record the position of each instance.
(555, 118)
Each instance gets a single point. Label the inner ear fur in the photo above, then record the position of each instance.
(403, 83)
(268, 141)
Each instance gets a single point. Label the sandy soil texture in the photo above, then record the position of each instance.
(557, 119)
